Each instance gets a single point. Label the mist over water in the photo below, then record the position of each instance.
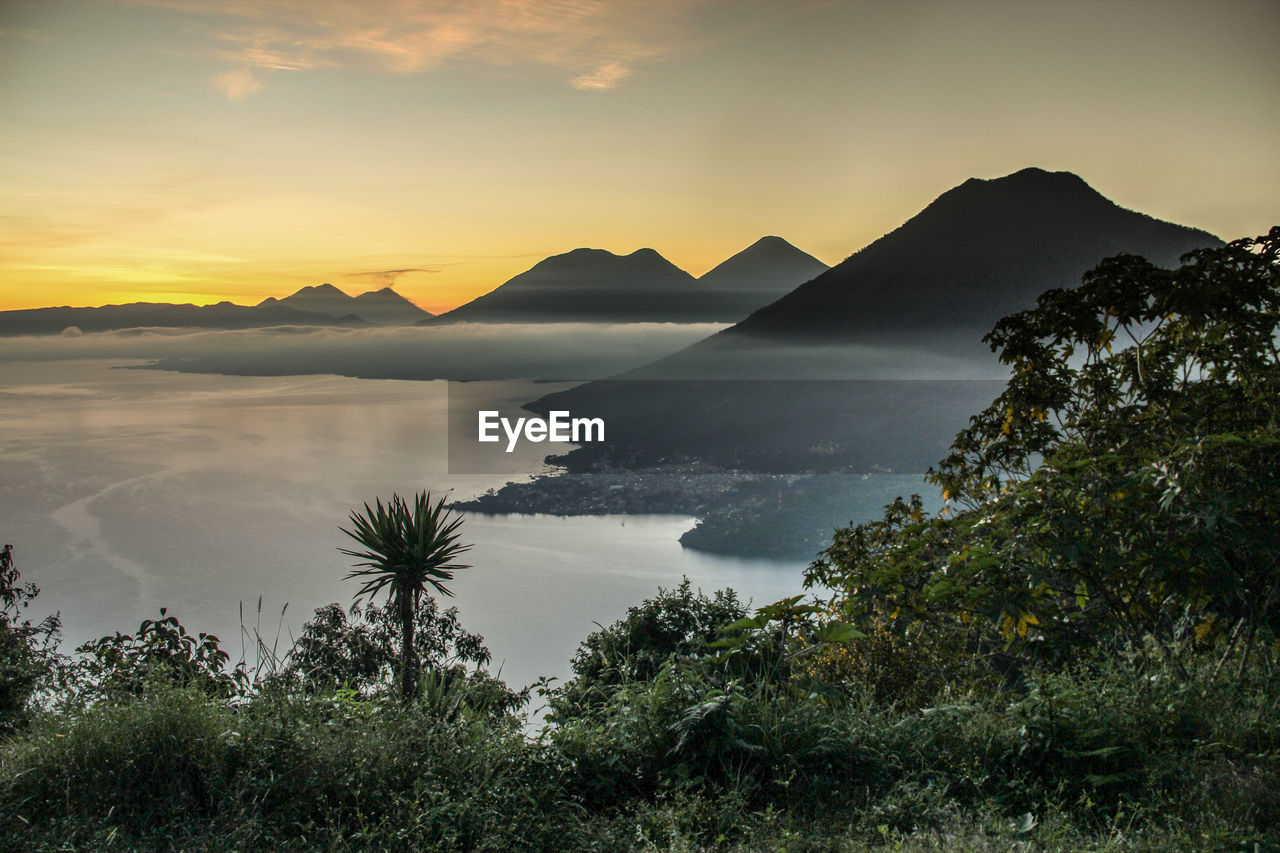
(464, 351)
(128, 490)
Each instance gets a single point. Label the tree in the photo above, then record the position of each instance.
(28, 651)
(1125, 487)
(408, 549)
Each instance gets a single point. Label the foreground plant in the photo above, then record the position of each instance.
(408, 548)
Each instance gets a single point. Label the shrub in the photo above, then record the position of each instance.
(677, 623)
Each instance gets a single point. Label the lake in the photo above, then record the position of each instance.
(124, 491)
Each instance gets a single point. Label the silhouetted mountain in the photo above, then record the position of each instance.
(382, 307)
(388, 308)
(911, 306)
(770, 266)
(586, 285)
(318, 299)
(223, 315)
(756, 276)
(980, 251)
(593, 285)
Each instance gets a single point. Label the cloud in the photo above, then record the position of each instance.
(604, 77)
(238, 84)
(596, 44)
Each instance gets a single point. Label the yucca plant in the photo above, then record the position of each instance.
(408, 547)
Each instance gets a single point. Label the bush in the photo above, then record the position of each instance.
(677, 623)
(162, 651)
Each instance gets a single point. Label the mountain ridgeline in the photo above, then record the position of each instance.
(597, 286)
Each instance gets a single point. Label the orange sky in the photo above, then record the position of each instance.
(154, 150)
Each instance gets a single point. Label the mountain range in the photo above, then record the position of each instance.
(597, 286)
(913, 306)
(584, 285)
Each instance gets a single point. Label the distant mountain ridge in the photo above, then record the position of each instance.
(595, 285)
(584, 285)
(133, 315)
(383, 307)
(322, 305)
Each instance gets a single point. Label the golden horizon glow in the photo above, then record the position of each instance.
(175, 150)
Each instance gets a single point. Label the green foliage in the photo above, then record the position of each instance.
(160, 652)
(407, 549)
(1113, 495)
(698, 756)
(357, 648)
(690, 728)
(28, 651)
(355, 652)
(1201, 359)
(677, 623)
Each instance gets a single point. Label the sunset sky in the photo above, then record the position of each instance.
(188, 150)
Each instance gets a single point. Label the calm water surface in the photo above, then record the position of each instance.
(124, 491)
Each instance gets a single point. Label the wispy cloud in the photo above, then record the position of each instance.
(596, 44)
(388, 277)
(237, 84)
(605, 77)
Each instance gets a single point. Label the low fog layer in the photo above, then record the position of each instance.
(917, 355)
(464, 351)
